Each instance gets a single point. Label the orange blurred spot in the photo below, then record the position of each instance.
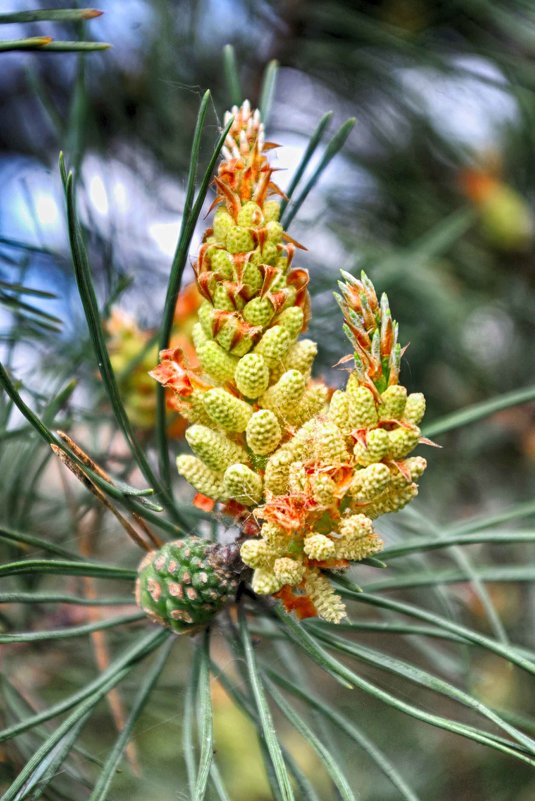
(477, 185)
(204, 503)
(187, 303)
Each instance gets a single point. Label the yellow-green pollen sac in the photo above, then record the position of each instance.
(214, 448)
(206, 481)
(243, 485)
(227, 411)
(315, 466)
(263, 432)
(252, 375)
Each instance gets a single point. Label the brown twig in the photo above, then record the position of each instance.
(99, 494)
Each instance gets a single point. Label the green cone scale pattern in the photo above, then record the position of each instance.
(185, 583)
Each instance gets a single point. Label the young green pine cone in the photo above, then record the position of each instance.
(186, 582)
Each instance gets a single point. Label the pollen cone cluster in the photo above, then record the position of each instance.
(349, 464)
(315, 467)
(253, 385)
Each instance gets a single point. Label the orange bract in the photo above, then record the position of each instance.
(300, 604)
(245, 173)
(173, 373)
(288, 512)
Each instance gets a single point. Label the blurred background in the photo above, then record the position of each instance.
(433, 195)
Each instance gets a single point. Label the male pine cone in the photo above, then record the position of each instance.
(316, 466)
(255, 306)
